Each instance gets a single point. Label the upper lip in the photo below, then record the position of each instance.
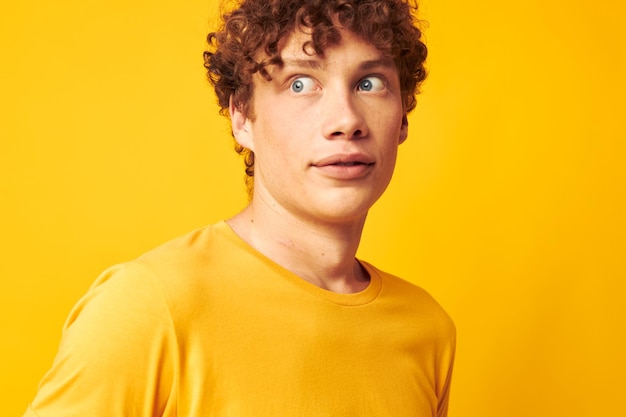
(339, 159)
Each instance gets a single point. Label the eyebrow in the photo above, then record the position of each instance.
(376, 63)
(304, 63)
(318, 64)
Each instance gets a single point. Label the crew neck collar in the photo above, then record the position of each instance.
(363, 297)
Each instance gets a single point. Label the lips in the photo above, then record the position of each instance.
(346, 160)
(345, 166)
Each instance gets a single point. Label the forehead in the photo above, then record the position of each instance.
(296, 48)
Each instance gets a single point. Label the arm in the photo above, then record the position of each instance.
(117, 353)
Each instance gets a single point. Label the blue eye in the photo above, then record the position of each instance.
(371, 84)
(302, 85)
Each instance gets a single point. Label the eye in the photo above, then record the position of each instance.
(371, 84)
(302, 85)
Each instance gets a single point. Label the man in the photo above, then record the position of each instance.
(269, 313)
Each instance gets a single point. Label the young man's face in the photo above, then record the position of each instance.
(325, 130)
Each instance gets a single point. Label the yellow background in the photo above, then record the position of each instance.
(508, 203)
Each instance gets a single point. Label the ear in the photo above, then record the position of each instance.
(240, 125)
(404, 129)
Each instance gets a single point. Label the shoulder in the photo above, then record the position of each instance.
(414, 301)
(185, 275)
(143, 288)
(182, 265)
(123, 305)
(397, 286)
(194, 246)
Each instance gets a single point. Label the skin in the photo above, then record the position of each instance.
(325, 134)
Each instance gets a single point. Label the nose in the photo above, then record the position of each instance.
(343, 116)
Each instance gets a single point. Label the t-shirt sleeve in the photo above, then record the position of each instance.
(447, 365)
(117, 354)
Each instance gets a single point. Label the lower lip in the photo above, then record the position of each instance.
(345, 172)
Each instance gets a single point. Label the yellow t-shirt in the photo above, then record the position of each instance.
(206, 326)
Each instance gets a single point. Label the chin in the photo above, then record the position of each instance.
(346, 210)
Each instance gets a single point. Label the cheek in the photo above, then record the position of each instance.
(389, 156)
(275, 148)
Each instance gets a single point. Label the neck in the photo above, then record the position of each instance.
(320, 253)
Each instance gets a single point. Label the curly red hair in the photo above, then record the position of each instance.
(255, 26)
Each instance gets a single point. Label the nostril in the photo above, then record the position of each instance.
(356, 134)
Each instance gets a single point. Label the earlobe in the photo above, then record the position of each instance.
(404, 129)
(240, 126)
